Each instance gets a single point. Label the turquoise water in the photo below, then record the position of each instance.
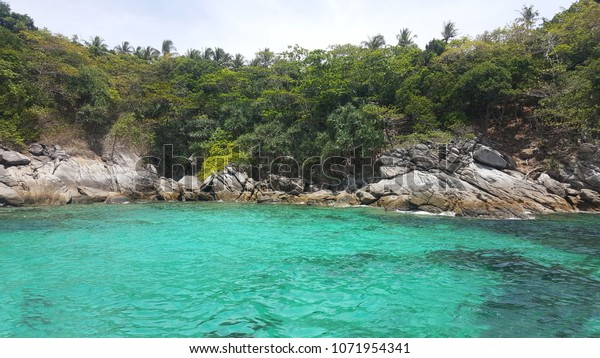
(229, 270)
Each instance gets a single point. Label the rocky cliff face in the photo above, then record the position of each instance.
(464, 178)
(49, 176)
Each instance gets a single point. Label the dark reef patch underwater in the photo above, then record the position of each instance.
(243, 270)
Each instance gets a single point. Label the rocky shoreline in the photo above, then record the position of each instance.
(466, 178)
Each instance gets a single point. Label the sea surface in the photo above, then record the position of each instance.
(247, 270)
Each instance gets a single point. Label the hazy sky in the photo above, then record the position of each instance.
(247, 26)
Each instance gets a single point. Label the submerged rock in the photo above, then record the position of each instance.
(95, 194)
(117, 199)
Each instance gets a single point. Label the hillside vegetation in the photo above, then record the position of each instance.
(302, 103)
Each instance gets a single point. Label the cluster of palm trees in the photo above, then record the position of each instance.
(217, 55)
(406, 38)
(97, 46)
(147, 53)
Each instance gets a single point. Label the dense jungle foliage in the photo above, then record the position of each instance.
(302, 103)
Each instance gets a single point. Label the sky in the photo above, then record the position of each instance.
(250, 25)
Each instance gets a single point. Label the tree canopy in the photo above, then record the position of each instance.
(302, 103)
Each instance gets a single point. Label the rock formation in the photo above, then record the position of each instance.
(464, 178)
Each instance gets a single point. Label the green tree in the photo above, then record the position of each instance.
(482, 88)
(222, 151)
(221, 57)
(13, 21)
(375, 42)
(450, 31)
(97, 46)
(528, 16)
(193, 54)
(147, 53)
(124, 48)
(168, 48)
(238, 61)
(15, 99)
(351, 128)
(94, 98)
(264, 58)
(128, 129)
(406, 38)
(208, 54)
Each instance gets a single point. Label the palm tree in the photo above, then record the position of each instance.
(148, 53)
(449, 31)
(375, 42)
(264, 58)
(528, 16)
(193, 54)
(221, 57)
(124, 48)
(238, 61)
(405, 38)
(97, 45)
(168, 48)
(208, 54)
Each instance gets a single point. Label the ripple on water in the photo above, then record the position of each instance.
(228, 270)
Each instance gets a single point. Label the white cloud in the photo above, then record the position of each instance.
(246, 26)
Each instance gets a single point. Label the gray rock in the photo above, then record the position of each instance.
(43, 188)
(76, 172)
(190, 183)
(6, 178)
(9, 196)
(292, 186)
(552, 185)
(395, 203)
(424, 162)
(576, 184)
(389, 172)
(55, 152)
(591, 197)
(228, 180)
(365, 198)
(510, 163)
(197, 196)
(587, 151)
(388, 160)
(589, 174)
(344, 199)
(94, 194)
(11, 158)
(321, 195)
(490, 157)
(36, 149)
(270, 197)
(385, 187)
